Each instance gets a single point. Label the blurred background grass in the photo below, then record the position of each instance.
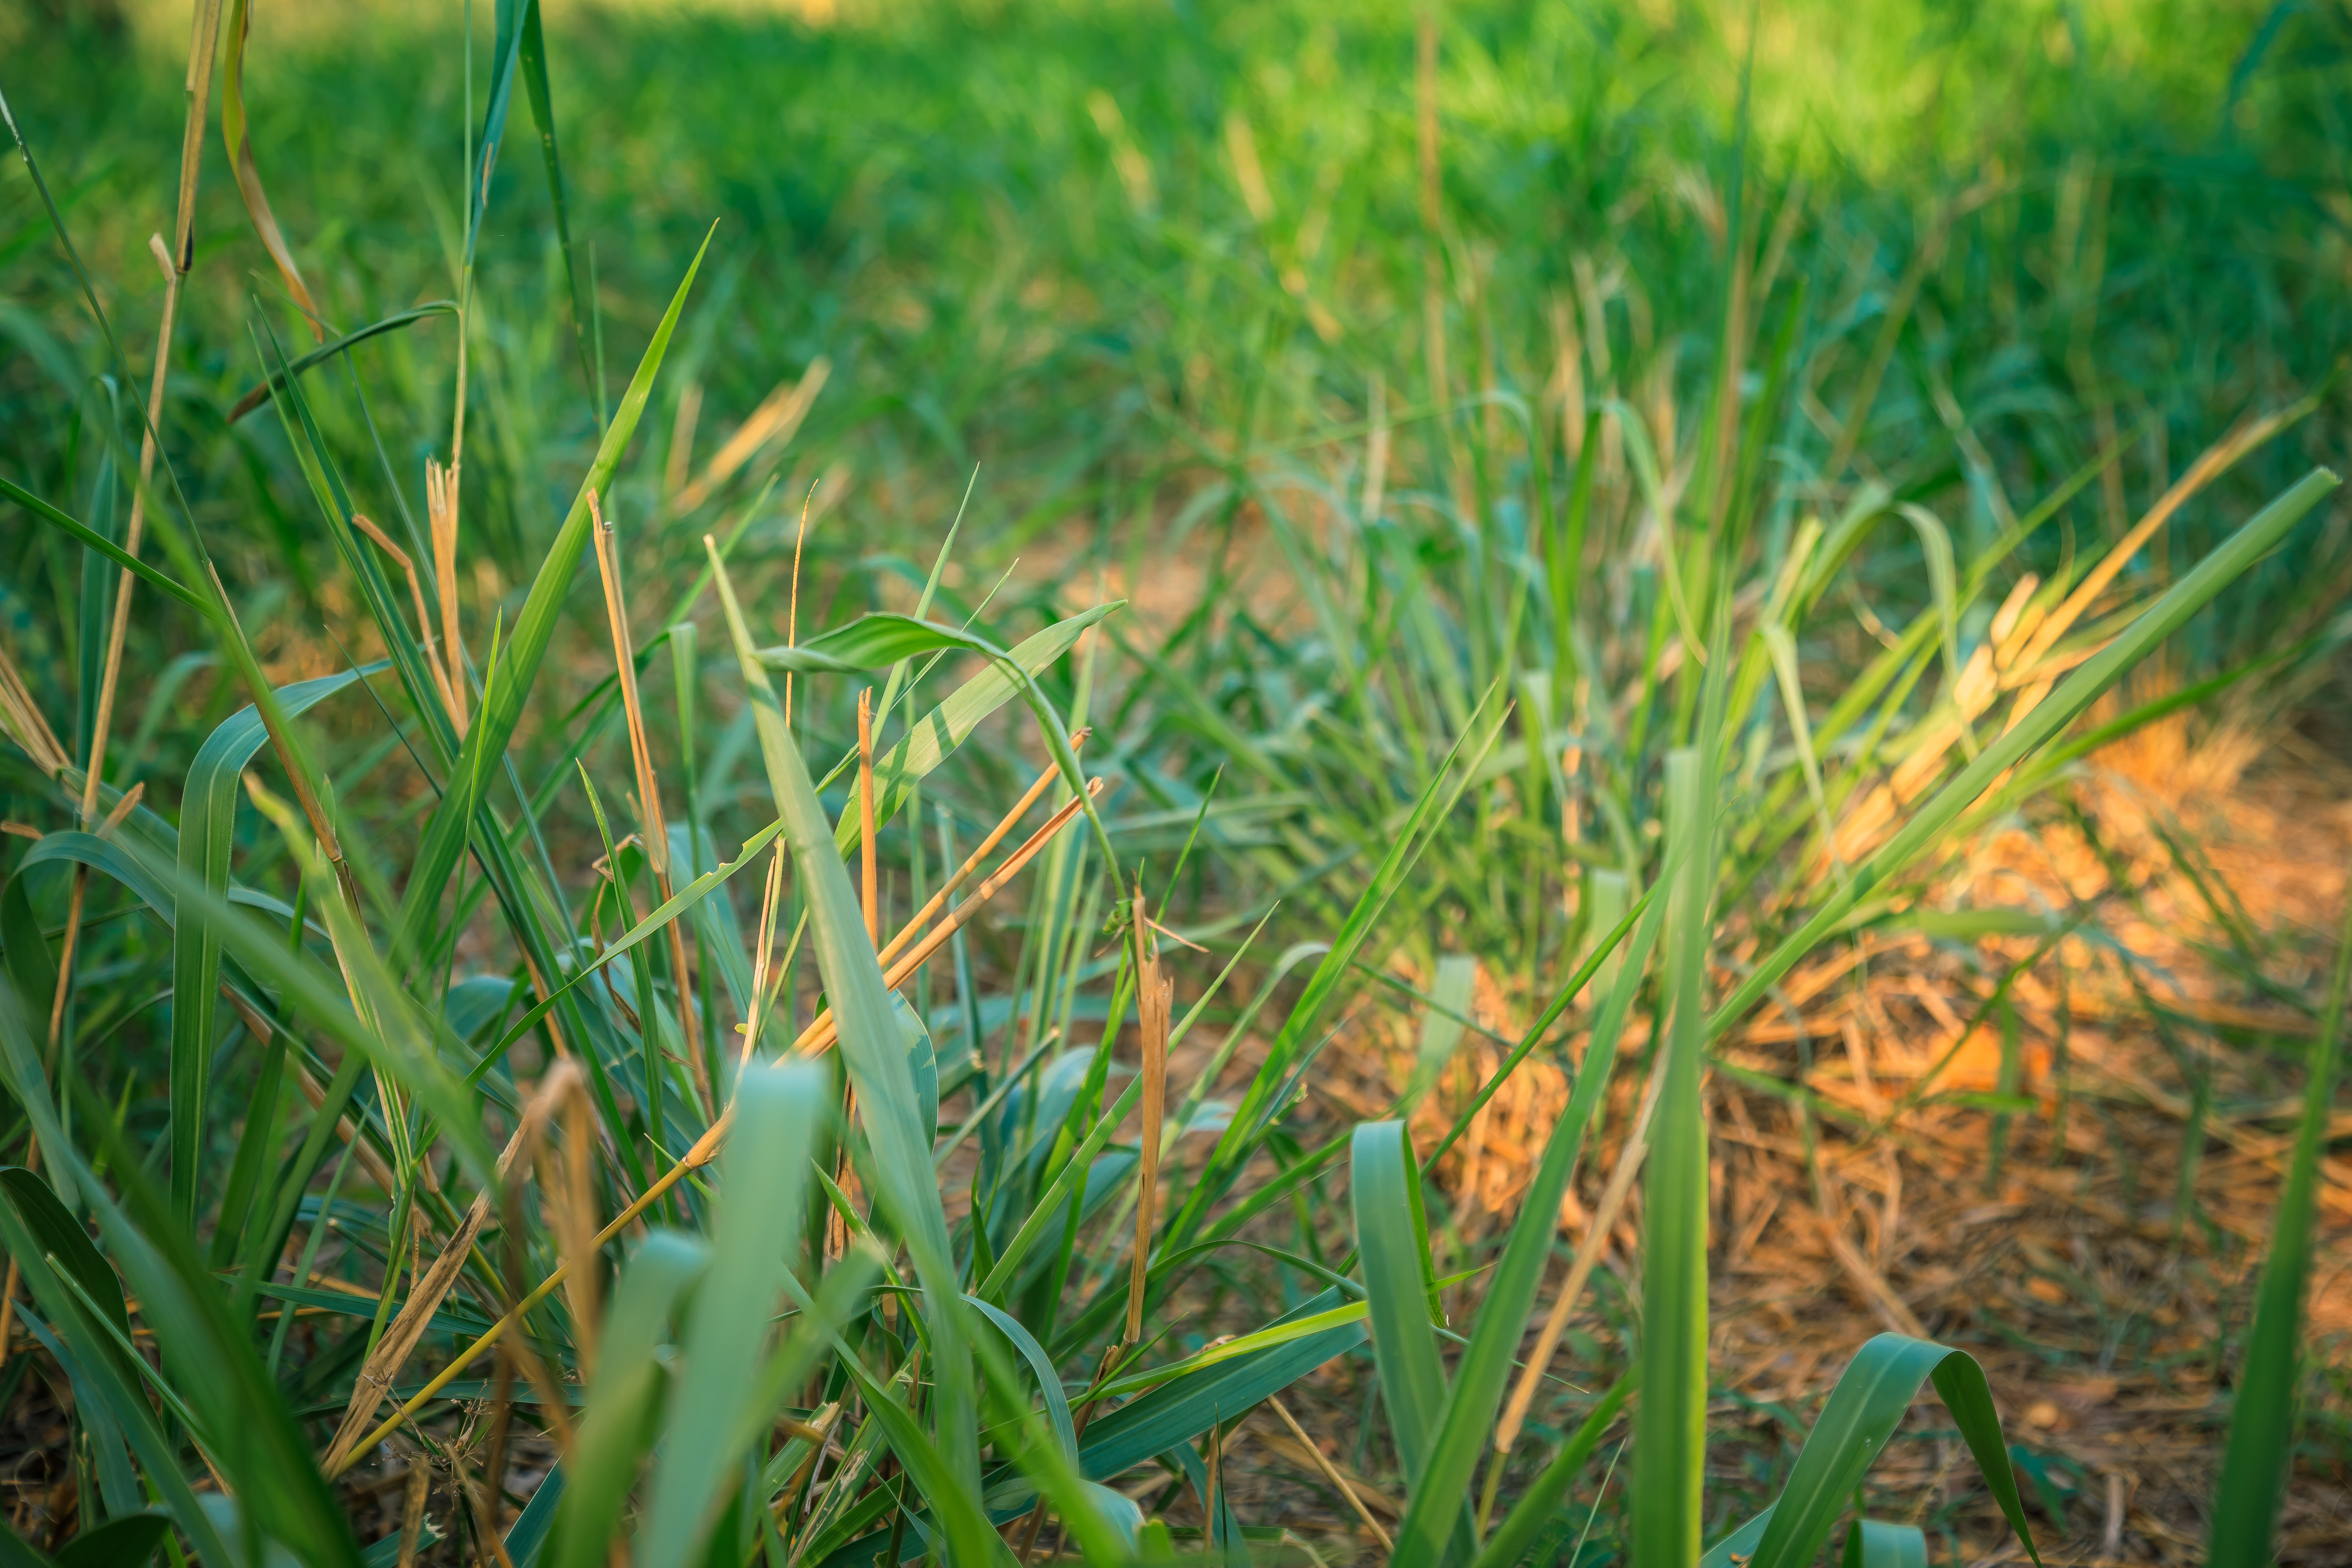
(1073, 242)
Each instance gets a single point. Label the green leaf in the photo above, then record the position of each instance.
(1049, 1211)
(1876, 1543)
(779, 1113)
(1441, 1027)
(628, 1381)
(122, 858)
(1936, 545)
(1049, 1382)
(392, 323)
(528, 1534)
(874, 641)
(15, 1552)
(1393, 1242)
(533, 58)
(1870, 1400)
(108, 1391)
(394, 1038)
(1116, 1509)
(1463, 1436)
(2255, 1465)
(923, 1061)
(1670, 1437)
(872, 1049)
(1739, 1544)
(508, 60)
(933, 737)
(1289, 1329)
(209, 1359)
(678, 904)
(31, 970)
(207, 834)
(955, 1498)
(1182, 1408)
(1406, 842)
(95, 540)
(897, 773)
(507, 687)
(1518, 1532)
(128, 1542)
(61, 1236)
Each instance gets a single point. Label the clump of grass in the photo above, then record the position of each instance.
(558, 1128)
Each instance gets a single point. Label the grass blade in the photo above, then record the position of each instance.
(62, 1238)
(874, 641)
(81, 533)
(1406, 842)
(1528, 1515)
(1670, 1439)
(778, 1113)
(1485, 1366)
(1182, 1408)
(2256, 1463)
(614, 1436)
(207, 1354)
(508, 686)
(532, 59)
(1871, 1398)
(872, 1048)
(325, 351)
(207, 833)
(1391, 1240)
(1876, 1543)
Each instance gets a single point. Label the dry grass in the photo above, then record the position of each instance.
(2101, 1311)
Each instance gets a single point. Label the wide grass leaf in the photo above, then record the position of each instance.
(1393, 1242)
(1182, 1408)
(779, 1111)
(208, 800)
(128, 1541)
(62, 1238)
(208, 1355)
(1880, 1543)
(613, 1438)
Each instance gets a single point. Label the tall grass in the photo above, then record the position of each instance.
(569, 1157)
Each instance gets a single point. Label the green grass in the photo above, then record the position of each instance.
(1595, 517)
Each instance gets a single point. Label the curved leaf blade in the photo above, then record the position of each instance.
(1869, 1401)
(207, 834)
